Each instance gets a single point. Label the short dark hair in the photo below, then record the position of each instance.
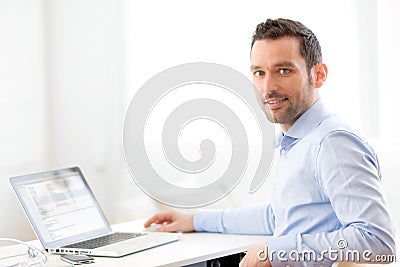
(278, 28)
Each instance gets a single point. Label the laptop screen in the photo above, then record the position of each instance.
(60, 206)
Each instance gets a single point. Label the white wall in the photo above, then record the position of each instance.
(84, 54)
(23, 105)
(87, 56)
(388, 143)
(62, 95)
(69, 68)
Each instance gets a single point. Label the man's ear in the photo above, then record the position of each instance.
(321, 73)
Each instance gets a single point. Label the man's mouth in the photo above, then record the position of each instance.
(276, 103)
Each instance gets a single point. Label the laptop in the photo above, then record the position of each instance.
(67, 218)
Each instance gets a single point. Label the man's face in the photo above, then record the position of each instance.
(280, 74)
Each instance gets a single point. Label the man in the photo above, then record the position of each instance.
(327, 194)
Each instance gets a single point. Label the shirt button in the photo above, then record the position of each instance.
(283, 151)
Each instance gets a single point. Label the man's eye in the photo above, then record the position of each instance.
(258, 73)
(284, 71)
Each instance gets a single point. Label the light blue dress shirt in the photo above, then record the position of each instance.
(327, 197)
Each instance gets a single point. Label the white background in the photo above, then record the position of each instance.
(69, 68)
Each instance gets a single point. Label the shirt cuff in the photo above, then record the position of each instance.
(207, 221)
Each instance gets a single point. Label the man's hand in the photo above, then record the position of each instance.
(172, 221)
(256, 257)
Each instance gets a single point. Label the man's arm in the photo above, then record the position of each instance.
(347, 171)
(251, 220)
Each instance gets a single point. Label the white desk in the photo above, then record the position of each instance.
(191, 249)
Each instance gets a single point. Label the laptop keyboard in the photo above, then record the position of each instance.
(104, 240)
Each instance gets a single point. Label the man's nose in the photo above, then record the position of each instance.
(268, 85)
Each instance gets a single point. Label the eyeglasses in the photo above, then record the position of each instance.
(15, 253)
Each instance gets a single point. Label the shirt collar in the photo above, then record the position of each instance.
(306, 123)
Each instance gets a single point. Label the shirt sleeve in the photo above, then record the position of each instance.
(347, 171)
(252, 220)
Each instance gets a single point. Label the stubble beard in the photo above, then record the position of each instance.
(294, 110)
